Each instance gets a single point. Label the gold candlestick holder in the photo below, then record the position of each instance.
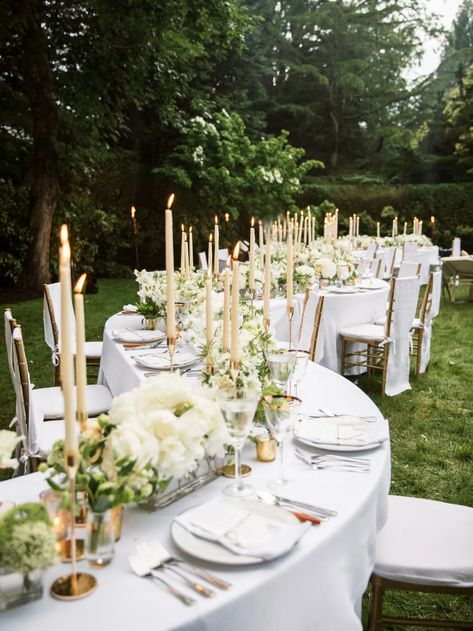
(171, 341)
(266, 324)
(234, 370)
(290, 315)
(82, 418)
(76, 584)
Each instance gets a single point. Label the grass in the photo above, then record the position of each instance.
(431, 425)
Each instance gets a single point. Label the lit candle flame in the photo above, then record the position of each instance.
(432, 219)
(170, 200)
(252, 222)
(64, 235)
(227, 217)
(182, 227)
(228, 261)
(190, 229)
(80, 284)
(133, 212)
(236, 251)
(210, 237)
(216, 220)
(66, 252)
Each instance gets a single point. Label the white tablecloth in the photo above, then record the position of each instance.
(317, 587)
(339, 310)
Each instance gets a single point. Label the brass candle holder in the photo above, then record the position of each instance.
(77, 584)
(266, 324)
(290, 315)
(171, 342)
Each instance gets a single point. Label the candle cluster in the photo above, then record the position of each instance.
(187, 251)
(331, 226)
(354, 226)
(417, 227)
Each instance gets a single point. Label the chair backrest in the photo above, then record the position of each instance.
(409, 268)
(456, 246)
(425, 311)
(203, 260)
(390, 257)
(409, 252)
(315, 332)
(375, 267)
(436, 293)
(10, 324)
(371, 250)
(52, 316)
(23, 382)
(402, 305)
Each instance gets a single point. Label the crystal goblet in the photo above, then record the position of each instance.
(238, 412)
(281, 365)
(280, 412)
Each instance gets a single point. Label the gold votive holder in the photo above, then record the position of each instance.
(117, 521)
(265, 449)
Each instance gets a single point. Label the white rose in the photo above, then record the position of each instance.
(329, 269)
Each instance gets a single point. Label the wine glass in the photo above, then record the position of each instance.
(300, 367)
(280, 413)
(238, 412)
(281, 365)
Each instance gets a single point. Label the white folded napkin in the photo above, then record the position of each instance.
(130, 308)
(242, 530)
(131, 335)
(162, 360)
(345, 430)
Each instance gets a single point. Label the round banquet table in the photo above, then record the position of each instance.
(317, 586)
(339, 310)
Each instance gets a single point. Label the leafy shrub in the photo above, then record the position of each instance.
(14, 234)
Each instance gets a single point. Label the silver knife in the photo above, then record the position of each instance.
(320, 509)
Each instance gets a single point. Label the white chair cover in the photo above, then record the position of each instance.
(406, 295)
(389, 258)
(410, 252)
(407, 268)
(456, 246)
(7, 318)
(371, 250)
(376, 267)
(55, 293)
(436, 293)
(203, 260)
(426, 542)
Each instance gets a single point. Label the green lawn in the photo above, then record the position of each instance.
(431, 426)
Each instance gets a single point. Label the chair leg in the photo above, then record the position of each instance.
(344, 350)
(375, 613)
(385, 368)
(420, 335)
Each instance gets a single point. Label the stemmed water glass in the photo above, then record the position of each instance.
(300, 367)
(238, 410)
(280, 413)
(281, 365)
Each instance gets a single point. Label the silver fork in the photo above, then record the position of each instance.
(157, 555)
(141, 568)
(328, 461)
(316, 457)
(155, 563)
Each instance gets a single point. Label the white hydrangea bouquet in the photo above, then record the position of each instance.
(8, 442)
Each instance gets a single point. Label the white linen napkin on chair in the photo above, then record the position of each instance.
(242, 530)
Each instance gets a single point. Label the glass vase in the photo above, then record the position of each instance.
(100, 538)
(18, 589)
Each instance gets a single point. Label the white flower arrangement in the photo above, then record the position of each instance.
(8, 441)
(152, 287)
(168, 423)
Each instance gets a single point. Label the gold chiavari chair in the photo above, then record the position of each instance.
(417, 331)
(425, 546)
(93, 350)
(315, 331)
(375, 337)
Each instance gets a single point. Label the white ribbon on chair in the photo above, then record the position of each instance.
(406, 296)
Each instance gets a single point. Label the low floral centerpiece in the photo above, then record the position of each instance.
(27, 548)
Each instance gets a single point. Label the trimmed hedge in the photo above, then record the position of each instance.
(452, 205)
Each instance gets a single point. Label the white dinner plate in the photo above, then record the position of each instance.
(160, 361)
(344, 289)
(372, 283)
(214, 552)
(304, 433)
(136, 336)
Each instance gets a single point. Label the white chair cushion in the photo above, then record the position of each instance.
(426, 542)
(93, 349)
(364, 332)
(50, 403)
(51, 431)
(416, 324)
(381, 321)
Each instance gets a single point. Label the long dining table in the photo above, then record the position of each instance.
(317, 586)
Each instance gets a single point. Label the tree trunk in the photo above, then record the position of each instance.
(43, 169)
